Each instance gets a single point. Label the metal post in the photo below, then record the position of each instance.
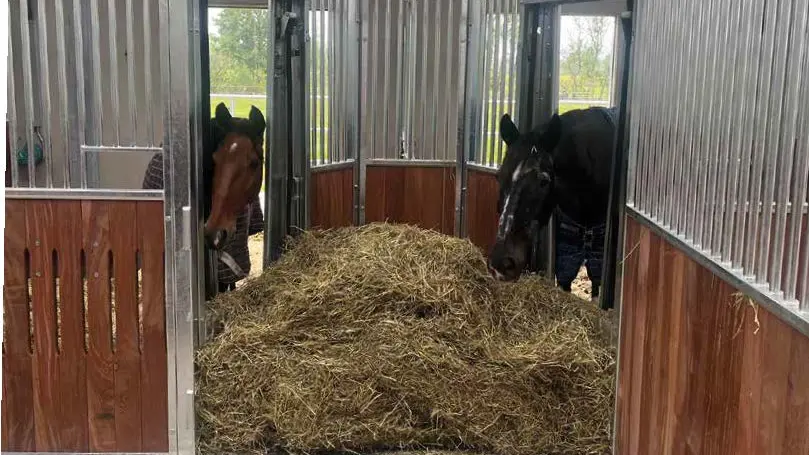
(275, 167)
(613, 249)
(469, 99)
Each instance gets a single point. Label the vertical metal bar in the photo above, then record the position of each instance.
(685, 44)
(400, 68)
(688, 125)
(635, 103)
(752, 265)
(708, 131)
(112, 33)
(497, 62)
(316, 91)
(740, 65)
(130, 66)
(435, 94)
(467, 56)
(339, 75)
(45, 94)
(486, 153)
(61, 77)
(147, 69)
(271, 220)
(667, 160)
(408, 35)
(81, 105)
(28, 90)
(503, 64)
(363, 11)
(382, 109)
(717, 168)
(674, 59)
(323, 91)
(653, 127)
(799, 197)
(514, 15)
(794, 79)
(644, 112)
(97, 106)
(774, 124)
(704, 116)
(339, 78)
(331, 15)
(421, 93)
(312, 81)
(745, 206)
(12, 107)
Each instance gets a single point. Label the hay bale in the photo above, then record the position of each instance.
(389, 336)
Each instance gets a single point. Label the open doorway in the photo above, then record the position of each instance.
(586, 79)
(238, 46)
(586, 62)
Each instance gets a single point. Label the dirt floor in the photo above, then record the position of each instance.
(581, 286)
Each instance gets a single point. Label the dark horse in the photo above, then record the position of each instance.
(561, 167)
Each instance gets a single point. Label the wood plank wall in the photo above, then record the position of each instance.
(332, 198)
(699, 374)
(481, 208)
(84, 352)
(423, 196)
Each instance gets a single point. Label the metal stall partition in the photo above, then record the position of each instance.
(412, 59)
(100, 284)
(287, 166)
(715, 288)
(494, 54)
(333, 111)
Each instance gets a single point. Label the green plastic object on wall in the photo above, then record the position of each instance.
(22, 153)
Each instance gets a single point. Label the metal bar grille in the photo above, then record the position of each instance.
(498, 87)
(723, 162)
(80, 74)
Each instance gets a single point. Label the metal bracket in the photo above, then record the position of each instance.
(285, 18)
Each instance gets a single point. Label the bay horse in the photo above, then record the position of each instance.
(232, 168)
(232, 164)
(561, 167)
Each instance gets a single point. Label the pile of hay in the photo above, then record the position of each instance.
(389, 336)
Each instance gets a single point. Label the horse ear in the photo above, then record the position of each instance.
(508, 130)
(257, 121)
(222, 114)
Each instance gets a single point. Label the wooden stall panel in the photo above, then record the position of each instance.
(701, 371)
(481, 208)
(75, 346)
(424, 196)
(332, 198)
(18, 385)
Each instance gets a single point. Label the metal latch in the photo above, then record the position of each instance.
(285, 18)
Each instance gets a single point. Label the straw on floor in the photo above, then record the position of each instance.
(389, 336)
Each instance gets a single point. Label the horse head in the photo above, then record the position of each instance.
(232, 171)
(526, 201)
